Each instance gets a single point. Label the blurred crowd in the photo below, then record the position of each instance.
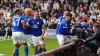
(52, 9)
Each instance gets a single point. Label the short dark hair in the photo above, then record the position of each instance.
(68, 14)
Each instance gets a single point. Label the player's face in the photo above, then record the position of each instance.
(69, 18)
(27, 13)
(36, 15)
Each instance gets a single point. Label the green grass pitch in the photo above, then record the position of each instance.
(6, 47)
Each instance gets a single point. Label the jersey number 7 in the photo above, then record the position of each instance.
(16, 21)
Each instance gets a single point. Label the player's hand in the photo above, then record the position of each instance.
(42, 37)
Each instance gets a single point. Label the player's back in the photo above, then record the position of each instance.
(16, 24)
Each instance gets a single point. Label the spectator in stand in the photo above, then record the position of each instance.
(56, 5)
(55, 8)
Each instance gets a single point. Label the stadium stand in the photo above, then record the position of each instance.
(52, 9)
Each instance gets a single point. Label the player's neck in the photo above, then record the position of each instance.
(27, 16)
(17, 15)
(35, 18)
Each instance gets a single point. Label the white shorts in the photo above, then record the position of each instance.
(62, 39)
(37, 41)
(29, 39)
(18, 37)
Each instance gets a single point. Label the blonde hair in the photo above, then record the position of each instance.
(27, 9)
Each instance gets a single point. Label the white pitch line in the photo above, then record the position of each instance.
(2, 54)
(5, 39)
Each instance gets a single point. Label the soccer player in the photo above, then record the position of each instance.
(63, 29)
(37, 25)
(28, 30)
(18, 38)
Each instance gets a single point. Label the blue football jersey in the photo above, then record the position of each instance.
(85, 25)
(16, 23)
(61, 18)
(36, 26)
(63, 28)
(28, 30)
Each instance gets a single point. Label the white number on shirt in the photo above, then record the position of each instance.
(16, 21)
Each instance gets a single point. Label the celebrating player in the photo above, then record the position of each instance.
(62, 18)
(63, 29)
(18, 38)
(28, 30)
(37, 25)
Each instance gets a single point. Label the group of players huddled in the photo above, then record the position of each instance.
(29, 30)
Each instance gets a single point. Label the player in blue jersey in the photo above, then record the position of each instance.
(63, 29)
(18, 38)
(37, 25)
(28, 30)
(61, 18)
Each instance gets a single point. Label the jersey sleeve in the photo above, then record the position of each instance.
(29, 22)
(59, 19)
(22, 18)
(60, 27)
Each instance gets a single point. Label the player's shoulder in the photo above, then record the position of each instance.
(60, 17)
(40, 19)
(31, 18)
(13, 16)
(22, 16)
(61, 23)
